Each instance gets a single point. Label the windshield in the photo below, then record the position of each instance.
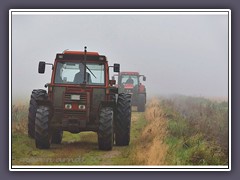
(129, 79)
(73, 73)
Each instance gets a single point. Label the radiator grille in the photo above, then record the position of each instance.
(83, 98)
(74, 114)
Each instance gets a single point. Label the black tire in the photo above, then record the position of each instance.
(105, 131)
(37, 94)
(57, 136)
(42, 131)
(122, 123)
(141, 102)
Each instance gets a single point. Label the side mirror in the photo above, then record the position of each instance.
(41, 67)
(116, 67)
(144, 78)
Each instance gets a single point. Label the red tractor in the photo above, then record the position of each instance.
(129, 82)
(80, 97)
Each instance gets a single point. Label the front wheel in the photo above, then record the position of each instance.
(42, 131)
(141, 102)
(37, 94)
(105, 131)
(57, 136)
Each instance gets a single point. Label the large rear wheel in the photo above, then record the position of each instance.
(122, 123)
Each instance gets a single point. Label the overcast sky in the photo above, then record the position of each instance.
(183, 54)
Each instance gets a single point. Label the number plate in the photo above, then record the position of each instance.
(75, 97)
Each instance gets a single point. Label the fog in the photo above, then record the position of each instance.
(179, 54)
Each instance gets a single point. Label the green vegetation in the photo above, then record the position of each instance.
(76, 149)
(137, 127)
(197, 131)
(197, 134)
(19, 118)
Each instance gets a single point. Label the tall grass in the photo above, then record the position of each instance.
(197, 130)
(150, 147)
(19, 118)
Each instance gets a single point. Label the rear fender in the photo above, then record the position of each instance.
(142, 89)
(144, 95)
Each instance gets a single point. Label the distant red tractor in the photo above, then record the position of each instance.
(129, 82)
(80, 98)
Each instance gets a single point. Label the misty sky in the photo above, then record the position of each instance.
(184, 54)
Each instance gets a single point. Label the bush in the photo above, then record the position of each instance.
(197, 130)
(19, 118)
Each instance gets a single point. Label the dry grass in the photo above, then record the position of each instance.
(19, 118)
(152, 148)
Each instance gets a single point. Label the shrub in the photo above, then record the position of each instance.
(197, 130)
(19, 118)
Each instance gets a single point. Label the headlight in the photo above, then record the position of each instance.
(82, 107)
(129, 90)
(68, 106)
(75, 97)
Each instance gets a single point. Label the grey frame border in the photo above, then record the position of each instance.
(4, 91)
(146, 168)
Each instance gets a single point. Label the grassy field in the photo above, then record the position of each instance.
(197, 131)
(177, 130)
(76, 149)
